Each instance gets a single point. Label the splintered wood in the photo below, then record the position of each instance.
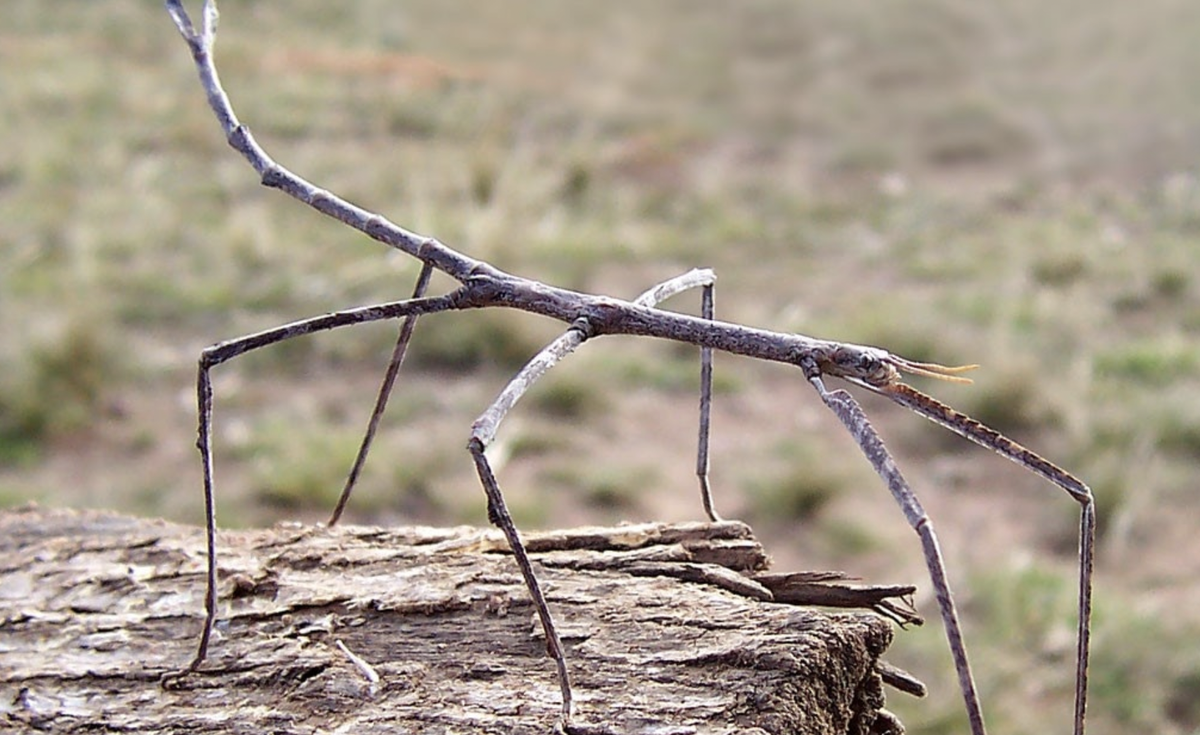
(422, 630)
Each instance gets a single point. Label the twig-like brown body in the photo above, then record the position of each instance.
(482, 285)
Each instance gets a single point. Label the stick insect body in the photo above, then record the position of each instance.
(483, 286)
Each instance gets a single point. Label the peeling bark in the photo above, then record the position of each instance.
(420, 630)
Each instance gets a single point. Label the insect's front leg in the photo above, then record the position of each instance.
(987, 437)
(850, 413)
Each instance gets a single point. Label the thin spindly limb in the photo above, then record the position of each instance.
(484, 431)
(652, 298)
(225, 351)
(385, 392)
(706, 359)
(499, 516)
(879, 371)
(969, 428)
(855, 421)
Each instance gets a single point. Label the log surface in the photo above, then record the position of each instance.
(667, 632)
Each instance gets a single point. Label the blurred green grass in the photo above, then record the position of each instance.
(1012, 184)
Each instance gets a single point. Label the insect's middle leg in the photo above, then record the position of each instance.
(706, 373)
(705, 279)
(488, 424)
(482, 433)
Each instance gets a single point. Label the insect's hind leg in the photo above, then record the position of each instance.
(225, 351)
(385, 392)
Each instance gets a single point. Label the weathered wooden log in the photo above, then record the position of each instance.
(420, 630)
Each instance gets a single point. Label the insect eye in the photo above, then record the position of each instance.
(858, 363)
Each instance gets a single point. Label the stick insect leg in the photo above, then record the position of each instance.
(855, 421)
(969, 428)
(482, 434)
(385, 392)
(224, 351)
(706, 279)
(706, 367)
(484, 431)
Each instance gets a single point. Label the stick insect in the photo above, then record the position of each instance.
(481, 285)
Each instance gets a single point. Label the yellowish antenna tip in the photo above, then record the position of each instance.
(941, 372)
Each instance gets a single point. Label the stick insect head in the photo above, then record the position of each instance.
(875, 368)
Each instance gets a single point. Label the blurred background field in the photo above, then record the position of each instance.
(1013, 184)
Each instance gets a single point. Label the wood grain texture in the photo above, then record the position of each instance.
(667, 631)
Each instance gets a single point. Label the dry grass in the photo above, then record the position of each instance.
(1013, 185)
